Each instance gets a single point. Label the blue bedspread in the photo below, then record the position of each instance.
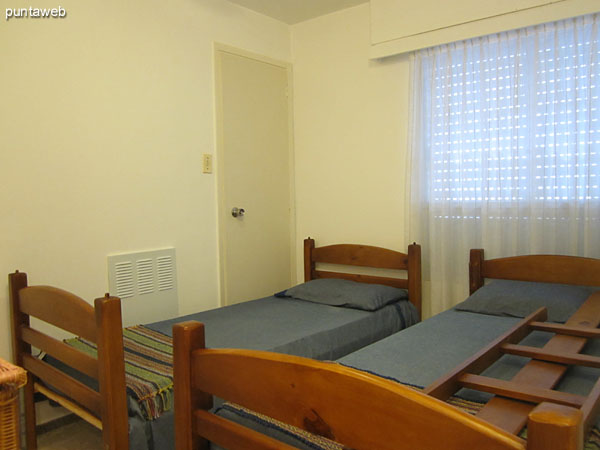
(423, 353)
(297, 327)
(283, 325)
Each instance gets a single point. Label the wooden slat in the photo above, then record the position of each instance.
(547, 355)
(512, 416)
(61, 351)
(360, 255)
(67, 404)
(233, 436)
(313, 395)
(517, 391)
(401, 283)
(80, 393)
(59, 308)
(447, 385)
(558, 328)
(545, 268)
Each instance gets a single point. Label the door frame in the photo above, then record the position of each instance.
(222, 213)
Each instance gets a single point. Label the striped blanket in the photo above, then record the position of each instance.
(305, 440)
(148, 367)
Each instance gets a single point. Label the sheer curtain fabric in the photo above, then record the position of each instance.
(505, 150)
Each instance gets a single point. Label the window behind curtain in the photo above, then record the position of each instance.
(506, 147)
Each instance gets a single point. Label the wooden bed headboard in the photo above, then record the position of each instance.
(100, 324)
(542, 268)
(367, 256)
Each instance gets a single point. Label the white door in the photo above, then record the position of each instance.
(254, 157)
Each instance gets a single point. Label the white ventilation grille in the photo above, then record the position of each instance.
(146, 282)
(124, 279)
(145, 276)
(164, 265)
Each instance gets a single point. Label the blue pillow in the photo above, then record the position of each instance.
(521, 298)
(345, 293)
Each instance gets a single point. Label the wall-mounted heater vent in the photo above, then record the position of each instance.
(164, 266)
(124, 279)
(146, 282)
(145, 273)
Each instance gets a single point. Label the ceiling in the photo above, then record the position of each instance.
(294, 11)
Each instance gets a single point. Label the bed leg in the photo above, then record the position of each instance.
(187, 337)
(16, 282)
(555, 427)
(30, 433)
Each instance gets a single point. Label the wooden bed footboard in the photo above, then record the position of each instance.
(358, 410)
(100, 324)
(353, 408)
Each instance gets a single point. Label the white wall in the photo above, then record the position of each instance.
(350, 120)
(104, 116)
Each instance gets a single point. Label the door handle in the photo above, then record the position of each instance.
(237, 212)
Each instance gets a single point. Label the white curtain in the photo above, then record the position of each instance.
(505, 150)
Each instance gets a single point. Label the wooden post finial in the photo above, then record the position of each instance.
(554, 426)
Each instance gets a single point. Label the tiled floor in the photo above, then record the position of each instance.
(76, 434)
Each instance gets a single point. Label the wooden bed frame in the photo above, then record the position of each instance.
(107, 409)
(101, 324)
(362, 411)
(565, 346)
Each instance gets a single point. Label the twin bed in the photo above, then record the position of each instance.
(387, 395)
(126, 390)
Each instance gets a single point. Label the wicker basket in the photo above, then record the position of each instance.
(11, 379)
